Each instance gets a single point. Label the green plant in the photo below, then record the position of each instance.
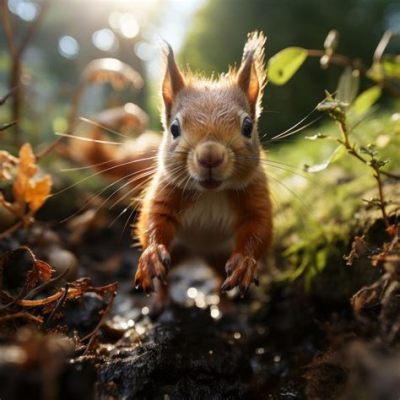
(347, 108)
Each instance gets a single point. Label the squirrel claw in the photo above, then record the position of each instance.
(153, 263)
(241, 271)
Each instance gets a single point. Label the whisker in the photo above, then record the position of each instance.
(301, 128)
(134, 208)
(99, 125)
(186, 181)
(284, 167)
(97, 195)
(87, 139)
(118, 216)
(128, 219)
(287, 188)
(295, 125)
(97, 174)
(123, 186)
(102, 163)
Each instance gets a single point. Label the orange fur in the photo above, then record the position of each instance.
(209, 197)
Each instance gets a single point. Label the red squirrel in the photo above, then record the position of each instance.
(209, 197)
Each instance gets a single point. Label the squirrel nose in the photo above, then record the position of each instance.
(210, 160)
(210, 154)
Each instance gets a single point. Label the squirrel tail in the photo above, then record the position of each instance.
(134, 158)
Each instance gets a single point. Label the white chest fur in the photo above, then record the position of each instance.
(211, 212)
(207, 225)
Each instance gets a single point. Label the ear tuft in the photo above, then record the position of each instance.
(251, 76)
(173, 79)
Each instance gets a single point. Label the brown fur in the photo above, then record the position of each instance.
(231, 220)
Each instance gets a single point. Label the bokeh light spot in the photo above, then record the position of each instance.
(129, 26)
(124, 23)
(68, 47)
(104, 39)
(145, 51)
(26, 10)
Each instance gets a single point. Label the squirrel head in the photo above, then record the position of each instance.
(210, 125)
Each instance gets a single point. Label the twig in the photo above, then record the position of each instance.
(8, 30)
(58, 305)
(351, 149)
(16, 53)
(374, 165)
(44, 285)
(47, 150)
(10, 230)
(7, 95)
(382, 46)
(381, 197)
(92, 334)
(340, 59)
(7, 125)
(390, 175)
(23, 315)
(32, 28)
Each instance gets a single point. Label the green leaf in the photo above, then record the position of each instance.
(366, 100)
(388, 67)
(391, 66)
(317, 136)
(376, 72)
(337, 153)
(283, 65)
(348, 86)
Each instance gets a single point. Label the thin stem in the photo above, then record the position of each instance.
(7, 27)
(340, 59)
(10, 230)
(16, 53)
(381, 196)
(351, 150)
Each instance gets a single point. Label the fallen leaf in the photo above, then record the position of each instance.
(36, 193)
(29, 191)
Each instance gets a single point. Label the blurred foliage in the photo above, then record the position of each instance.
(220, 28)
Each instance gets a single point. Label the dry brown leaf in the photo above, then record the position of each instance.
(37, 191)
(29, 191)
(26, 170)
(359, 248)
(7, 164)
(44, 270)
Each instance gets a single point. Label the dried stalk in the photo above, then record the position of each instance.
(16, 53)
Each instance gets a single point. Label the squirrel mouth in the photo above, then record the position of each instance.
(210, 183)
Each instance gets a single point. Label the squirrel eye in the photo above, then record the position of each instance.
(175, 128)
(247, 127)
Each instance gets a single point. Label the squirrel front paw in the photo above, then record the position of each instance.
(241, 271)
(153, 263)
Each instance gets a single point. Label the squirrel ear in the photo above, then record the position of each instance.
(173, 79)
(251, 75)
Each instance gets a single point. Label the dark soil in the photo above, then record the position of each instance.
(277, 343)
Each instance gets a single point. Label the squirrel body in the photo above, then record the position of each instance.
(209, 197)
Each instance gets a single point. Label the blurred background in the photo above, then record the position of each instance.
(208, 35)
